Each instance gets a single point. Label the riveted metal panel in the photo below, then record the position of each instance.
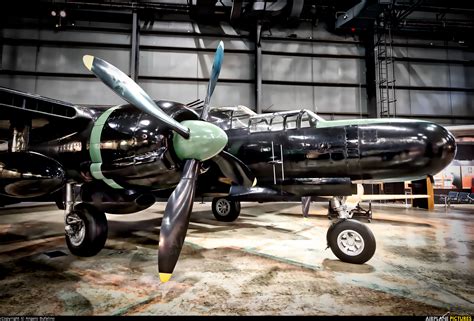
(234, 66)
(315, 48)
(23, 83)
(402, 73)
(19, 57)
(69, 60)
(180, 91)
(338, 70)
(168, 64)
(277, 97)
(77, 90)
(286, 68)
(427, 53)
(462, 103)
(426, 102)
(193, 42)
(229, 94)
(403, 101)
(334, 99)
(429, 74)
(461, 76)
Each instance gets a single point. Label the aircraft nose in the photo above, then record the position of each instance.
(440, 146)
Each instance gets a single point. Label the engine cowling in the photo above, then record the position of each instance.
(115, 201)
(29, 174)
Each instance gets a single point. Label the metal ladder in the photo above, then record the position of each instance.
(387, 99)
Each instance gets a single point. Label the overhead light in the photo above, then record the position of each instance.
(53, 13)
(62, 13)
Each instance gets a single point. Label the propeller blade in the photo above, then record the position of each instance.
(129, 90)
(176, 220)
(235, 169)
(216, 69)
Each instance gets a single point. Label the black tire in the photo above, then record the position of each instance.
(96, 229)
(365, 239)
(225, 209)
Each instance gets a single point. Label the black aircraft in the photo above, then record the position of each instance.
(120, 159)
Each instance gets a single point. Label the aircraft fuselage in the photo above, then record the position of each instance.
(126, 148)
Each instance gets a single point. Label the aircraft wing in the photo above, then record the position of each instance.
(21, 103)
(47, 118)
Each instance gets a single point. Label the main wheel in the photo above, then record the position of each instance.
(225, 209)
(351, 241)
(86, 230)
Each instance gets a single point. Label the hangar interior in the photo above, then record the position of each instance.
(340, 59)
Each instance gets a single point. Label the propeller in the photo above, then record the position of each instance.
(194, 141)
(129, 90)
(178, 209)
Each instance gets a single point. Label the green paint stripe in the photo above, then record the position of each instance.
(96, 171)
(94, 149)
(112, 183)
(94, 146)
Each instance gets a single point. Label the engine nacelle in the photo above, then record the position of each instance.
(29, 174)
(115, 201)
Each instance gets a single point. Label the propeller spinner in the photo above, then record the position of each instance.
(196, 141)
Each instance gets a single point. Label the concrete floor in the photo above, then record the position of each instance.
(270, 261)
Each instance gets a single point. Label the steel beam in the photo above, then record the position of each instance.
(135, 48)
(370, 75)
(258, 68)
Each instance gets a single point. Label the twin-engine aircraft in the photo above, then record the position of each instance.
(120, 159)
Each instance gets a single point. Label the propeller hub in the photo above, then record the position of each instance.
(206, 140)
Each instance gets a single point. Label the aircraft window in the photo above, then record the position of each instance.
(277, 123)
(259, 125)
(240, 121)
(307, 121)
(290, 121)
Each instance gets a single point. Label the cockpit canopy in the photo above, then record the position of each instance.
(241, 117)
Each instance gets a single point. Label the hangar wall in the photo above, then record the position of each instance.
(306, 67)
(434, 78)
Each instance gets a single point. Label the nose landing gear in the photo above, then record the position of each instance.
(349, 240)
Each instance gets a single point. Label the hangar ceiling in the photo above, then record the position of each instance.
(321, 53)
(435, 17)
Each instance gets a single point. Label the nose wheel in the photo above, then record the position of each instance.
(351, 241)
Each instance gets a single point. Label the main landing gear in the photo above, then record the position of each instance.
(350, 240)
(225, 209)
(85, 226)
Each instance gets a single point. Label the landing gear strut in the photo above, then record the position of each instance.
(350, 240)
(358, 211)
(85, 226)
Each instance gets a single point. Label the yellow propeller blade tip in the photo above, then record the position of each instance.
(165, 277)
(254, 182)
(88, 59)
